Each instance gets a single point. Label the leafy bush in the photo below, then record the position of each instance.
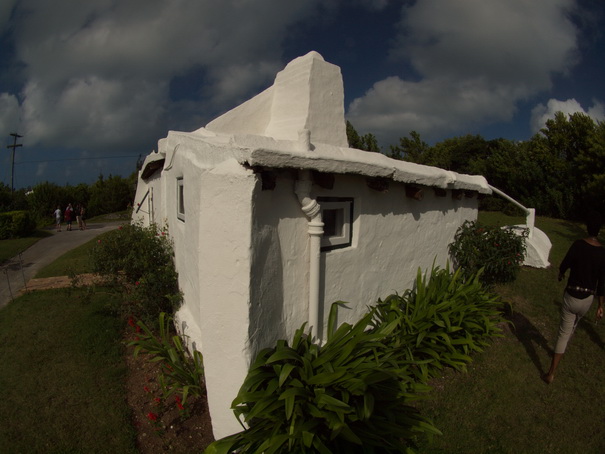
(180, 373)
(353, 394)
(350, 395)
(440, 323)
(140, 259)
(16, 224)
(499, 251)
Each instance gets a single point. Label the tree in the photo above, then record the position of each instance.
(44, 199)
(591, 168)
(366, 142)
(411, 149)
(567, 140)
(110, 195)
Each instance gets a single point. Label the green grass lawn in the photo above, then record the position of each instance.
(501, 405)
(62, 376)
(11, 248)
(78, 261)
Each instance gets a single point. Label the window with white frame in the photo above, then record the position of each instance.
(180, 199)
(337, 216)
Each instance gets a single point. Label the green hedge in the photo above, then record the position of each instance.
(16, 224)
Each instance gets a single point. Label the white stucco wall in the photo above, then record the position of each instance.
(393, 236)
(212, 251)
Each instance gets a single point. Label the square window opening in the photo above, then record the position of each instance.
(337, 216)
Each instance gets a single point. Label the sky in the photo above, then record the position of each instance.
(92, 85)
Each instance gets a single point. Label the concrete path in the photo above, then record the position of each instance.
(19, 270)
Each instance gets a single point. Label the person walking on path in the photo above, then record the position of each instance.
(78, 216)
(82, 217)
(57, 214)
(586, 261)
(21, 268)
(69, 213)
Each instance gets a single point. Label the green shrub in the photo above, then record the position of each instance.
(441, 322)
(499, 251)
(353, 394)
(140, 259)
(180, 373)
(16, 224)
(350, 395)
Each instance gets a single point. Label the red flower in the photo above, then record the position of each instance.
(157, 400)
(99, 241)
(152, 416)
(146, 389)
(131, 322)
(120, 228)
(137, 283)
(179, 403)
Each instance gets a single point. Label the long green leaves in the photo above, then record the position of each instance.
(354, 393)
(180, 373)
(441, 321)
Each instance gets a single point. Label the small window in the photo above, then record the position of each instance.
(337, 215)
(180, 199)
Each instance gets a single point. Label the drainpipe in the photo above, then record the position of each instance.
(530, 213)
(312, 211)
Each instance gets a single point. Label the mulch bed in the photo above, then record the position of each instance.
(161, 425)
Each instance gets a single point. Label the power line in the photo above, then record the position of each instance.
(79, 159)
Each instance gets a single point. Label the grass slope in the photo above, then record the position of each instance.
(501, 405)
(12, 247)
(62, 376)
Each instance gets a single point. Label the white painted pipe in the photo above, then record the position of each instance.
(530, 213)
(312, 210)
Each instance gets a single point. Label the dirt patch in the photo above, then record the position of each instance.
(47, 283)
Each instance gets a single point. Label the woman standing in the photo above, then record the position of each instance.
(586, 261)
(69, 212)
(57, 214)
(82, 217)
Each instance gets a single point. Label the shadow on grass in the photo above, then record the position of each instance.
(530, 337)
(589, 328)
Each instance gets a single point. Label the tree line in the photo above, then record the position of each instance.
(106, 195)
(560, 171)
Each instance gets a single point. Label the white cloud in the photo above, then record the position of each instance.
(99, 71)
(92, 113)
(475, 60)
(541, 112)
(437, 105)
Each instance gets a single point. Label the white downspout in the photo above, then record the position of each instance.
(530, 213)
(312, 210)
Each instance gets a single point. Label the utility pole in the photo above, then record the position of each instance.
(14, 146)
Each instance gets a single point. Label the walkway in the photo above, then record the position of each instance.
(16, 272)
